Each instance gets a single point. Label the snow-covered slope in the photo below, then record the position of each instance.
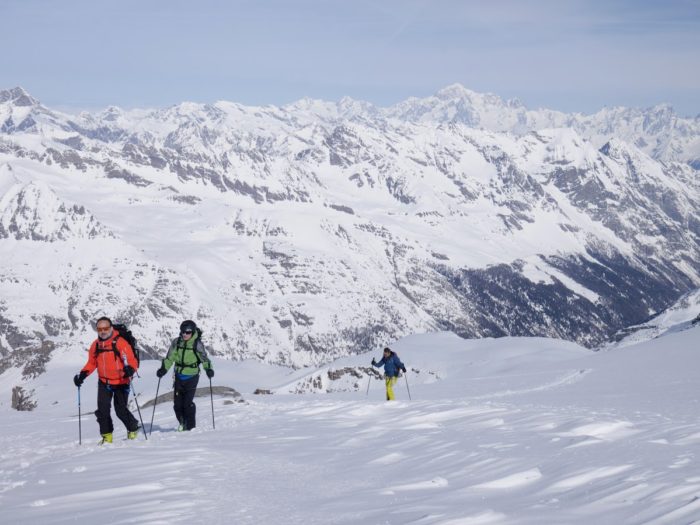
(35, 213)
(506, 431)
(299, 234)
(681, 316)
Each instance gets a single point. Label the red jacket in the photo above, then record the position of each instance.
(110, 366)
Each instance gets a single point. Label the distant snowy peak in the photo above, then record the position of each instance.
(456, 103)
(18, 97)
(34, 212)
(22, 113)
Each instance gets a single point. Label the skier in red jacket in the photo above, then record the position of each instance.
(115, 362)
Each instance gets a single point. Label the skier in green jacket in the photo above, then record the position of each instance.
(186, 352)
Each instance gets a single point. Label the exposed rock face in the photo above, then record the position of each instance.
(300, 234)
(220, 391)
(22, 400)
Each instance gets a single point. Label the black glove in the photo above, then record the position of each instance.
(373, 362)
(404, 369)
(128, 371)
(161, 371)
(210, 372)
(79, 378)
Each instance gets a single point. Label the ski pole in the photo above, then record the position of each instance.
(211, 394)
(405, 376)
(155, 402)
(80, 425)
(139, 410)
(369, 380)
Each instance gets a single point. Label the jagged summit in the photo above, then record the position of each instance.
(111, 113)
(18, 96)
(34, 212)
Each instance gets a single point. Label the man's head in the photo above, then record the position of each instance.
(187, 328)
(387, 352)
(104, 328)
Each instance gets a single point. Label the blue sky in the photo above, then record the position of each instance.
(571, 55)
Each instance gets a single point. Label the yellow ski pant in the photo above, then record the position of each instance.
(390, 382)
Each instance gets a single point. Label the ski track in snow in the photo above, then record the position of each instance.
(567, 378)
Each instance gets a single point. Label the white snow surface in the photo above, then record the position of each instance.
(504, 431)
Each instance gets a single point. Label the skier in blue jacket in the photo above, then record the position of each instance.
(392, 367)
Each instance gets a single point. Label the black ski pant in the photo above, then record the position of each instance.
(120, 394)
(185, 409)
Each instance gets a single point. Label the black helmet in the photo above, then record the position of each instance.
(188, 325)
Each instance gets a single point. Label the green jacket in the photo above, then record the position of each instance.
(187, 356)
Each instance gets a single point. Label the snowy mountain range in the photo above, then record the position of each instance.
(298, 234)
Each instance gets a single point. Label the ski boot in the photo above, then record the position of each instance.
(106, 438)
(132, 434)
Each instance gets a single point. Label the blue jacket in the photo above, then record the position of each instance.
(392, 365)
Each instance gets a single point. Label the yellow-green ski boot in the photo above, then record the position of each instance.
(106, 438)
(133, 434)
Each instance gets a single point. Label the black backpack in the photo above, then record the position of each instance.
(125, 333)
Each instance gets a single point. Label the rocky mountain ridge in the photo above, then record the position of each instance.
(302, 233)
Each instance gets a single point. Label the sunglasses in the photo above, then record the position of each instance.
(187, 332)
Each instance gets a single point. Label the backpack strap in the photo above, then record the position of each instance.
(182, 365)
(196, 353)
(114, 349)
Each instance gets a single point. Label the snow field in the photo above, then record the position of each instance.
(338, 461)
(510, 431)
